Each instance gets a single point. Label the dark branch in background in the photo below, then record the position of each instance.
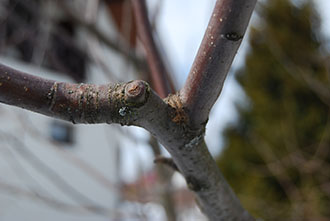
(163, 85)
(164, 180)
(222, 38)
(168, 162)
(157, 68)
(112, 44)
(58, 50)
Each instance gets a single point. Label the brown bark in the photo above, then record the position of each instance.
(132, 103)
(178, 121)
(222, 38)
(78, 103)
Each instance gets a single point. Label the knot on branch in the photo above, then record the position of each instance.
(232, 36)
(136, 93)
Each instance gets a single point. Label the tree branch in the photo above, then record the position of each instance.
(166, 161)
(132, 103)
(78, 103)
(219, 46)
(163, 85)
(116, 45)
(178, 122)
(155, 61)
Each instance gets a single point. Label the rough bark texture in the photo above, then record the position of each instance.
(132, 103)
(78, 103)
(178, 121)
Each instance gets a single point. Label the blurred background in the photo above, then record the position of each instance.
(269, 131)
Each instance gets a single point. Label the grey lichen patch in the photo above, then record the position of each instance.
(89, 101)
(232, 36)
(194, 142)
(104, 103)
(115, 95)
(126, 99)
(123, 111)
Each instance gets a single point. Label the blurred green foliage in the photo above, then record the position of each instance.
(276, 155)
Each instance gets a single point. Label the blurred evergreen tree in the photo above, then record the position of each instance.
(276, 155)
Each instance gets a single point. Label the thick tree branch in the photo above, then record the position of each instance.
(195, 163)
(131, 103)
(78, 103)
(178, 122)
(219, 46)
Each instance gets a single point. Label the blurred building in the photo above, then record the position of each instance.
(50, 169)
(54, 170)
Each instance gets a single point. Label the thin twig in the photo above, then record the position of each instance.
(165, 180)
(277, 169)
(112, 44)
(167, 161)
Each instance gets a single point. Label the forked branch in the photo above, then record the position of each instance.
(178, 122)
